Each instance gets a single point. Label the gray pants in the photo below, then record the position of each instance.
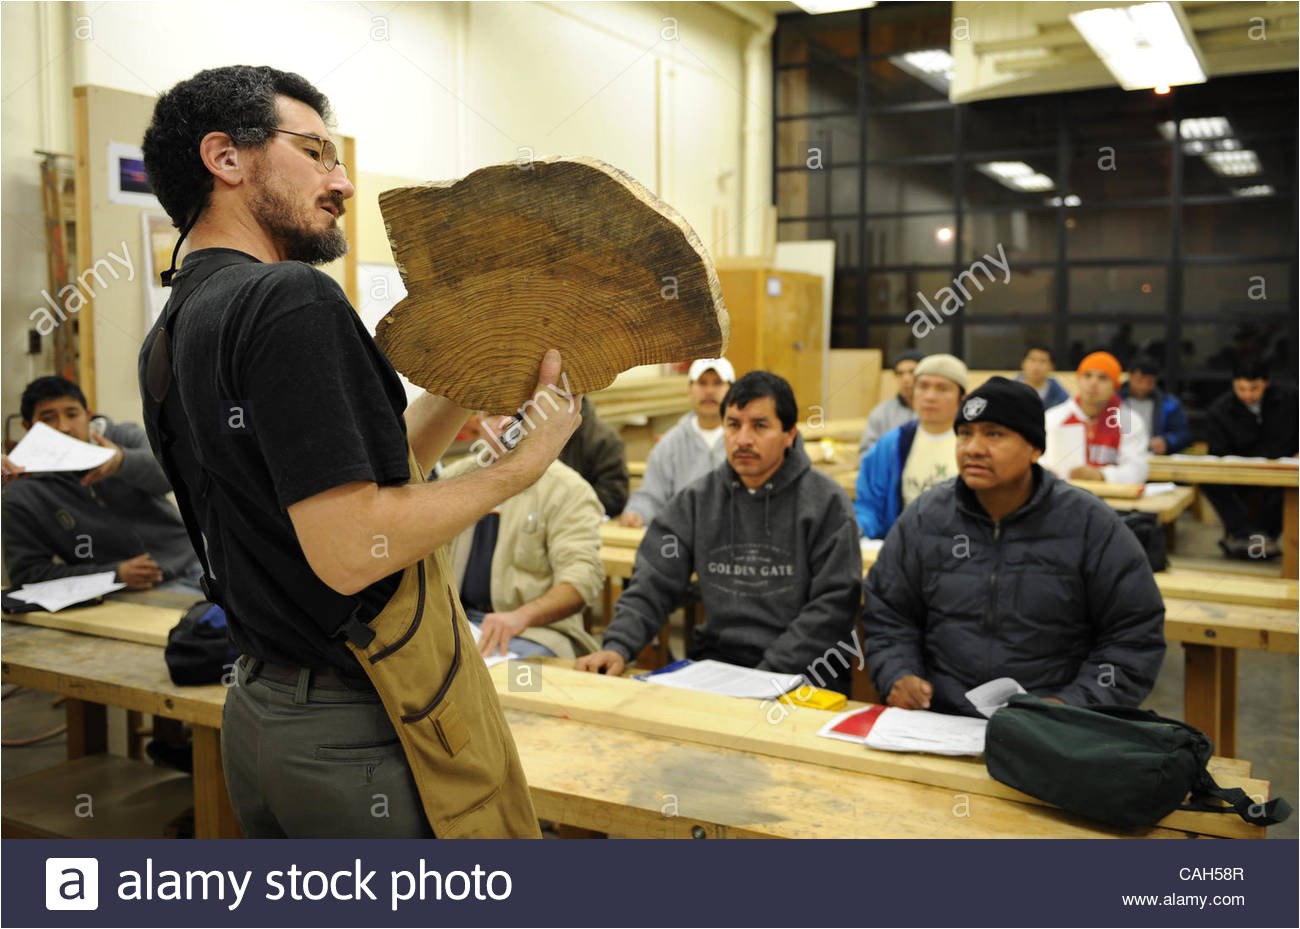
(306, 761)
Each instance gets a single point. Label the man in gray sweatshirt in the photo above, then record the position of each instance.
(114, 518)
(774, 544)
(690, 449)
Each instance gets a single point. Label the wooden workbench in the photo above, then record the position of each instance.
(584, 773)
(1210, 469)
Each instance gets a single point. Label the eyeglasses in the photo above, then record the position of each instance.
(328, 156)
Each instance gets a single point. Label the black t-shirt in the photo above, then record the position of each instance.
(286, 396)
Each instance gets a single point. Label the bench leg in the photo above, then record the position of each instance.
(1290, 534)
(214, 818)
(1210, 694)
(87, 728)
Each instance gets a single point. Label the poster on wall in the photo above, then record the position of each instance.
(159, 240)
(128, 184)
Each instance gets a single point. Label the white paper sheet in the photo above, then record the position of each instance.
(63, 592)
(491, 660)
(922, 731)
(46, 449)
(718, 677)
(993, 695)
(1156, 488)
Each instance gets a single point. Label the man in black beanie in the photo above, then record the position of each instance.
(1007, 571)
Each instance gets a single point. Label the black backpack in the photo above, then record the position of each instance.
(199, 650)
(1120, 765)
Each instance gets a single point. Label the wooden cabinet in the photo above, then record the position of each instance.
(776, 325)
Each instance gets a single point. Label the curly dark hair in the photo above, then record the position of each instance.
(238, 97)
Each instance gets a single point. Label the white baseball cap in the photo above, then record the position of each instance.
(720, 365)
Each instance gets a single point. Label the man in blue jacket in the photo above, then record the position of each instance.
(1008, 571)
(1161, 412)
(909, 460)
(773, 543)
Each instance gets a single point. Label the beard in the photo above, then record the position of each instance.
(292, 230)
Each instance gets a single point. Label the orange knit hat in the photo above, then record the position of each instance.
(1104, 362)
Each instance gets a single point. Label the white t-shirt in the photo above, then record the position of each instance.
(932, 460)
(711, 437)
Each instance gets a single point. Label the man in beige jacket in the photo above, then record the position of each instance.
(527, 569)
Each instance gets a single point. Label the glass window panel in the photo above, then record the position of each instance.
(1029, 291)
(1252, 103)
(1022, 123)
(817, 90)
(809, 142)
(909, 240)
(848, 239)
(979, 189)
(894, 293)
(909, 188)
(1213, 290)
(897, 80)
(816, 38)
(813, 193)
(1117, 172)
(1215, 346)
(1246, 228)
(1120, 232)
(1117, 291)
(902, 135)
(1124, 340)
(1112, 117)
(1001, 346)
(893, 339)
(1024, 235)
(844, 293)
(902, 27)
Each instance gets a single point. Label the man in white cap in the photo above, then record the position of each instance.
(690, 449)
(916, 456)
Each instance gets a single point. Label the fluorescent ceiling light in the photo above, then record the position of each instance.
(1067, 200)
(1146, 45)
(1259, 190)
(831, 6)
(1016, 174)
(1198, 127)
(931, 65)
(1240, 163)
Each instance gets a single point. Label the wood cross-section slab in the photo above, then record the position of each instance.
(514, 259)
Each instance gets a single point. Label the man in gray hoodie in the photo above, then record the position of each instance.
(774, 544)
(690, 449)
(114, 518)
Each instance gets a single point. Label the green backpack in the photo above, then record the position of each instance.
(1120, 765)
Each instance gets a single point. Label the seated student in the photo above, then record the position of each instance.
(911, 459)
(1010, 572)
(114, 518)
(1159, 411)
(1255, 418)
(773, 543)
(690, 449)
(596, 452)
(1092, 437)
(528, 568)
(1036, 370)
(894, 411)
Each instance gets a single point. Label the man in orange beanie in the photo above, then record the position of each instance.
(1093, 436)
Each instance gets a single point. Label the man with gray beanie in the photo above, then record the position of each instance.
(1008, 571)
(915, 456)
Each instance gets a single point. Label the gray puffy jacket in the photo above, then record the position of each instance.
(1059, 596)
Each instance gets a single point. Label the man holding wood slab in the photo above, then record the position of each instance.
(774, 544)
(1008, 571)
(361, 707)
